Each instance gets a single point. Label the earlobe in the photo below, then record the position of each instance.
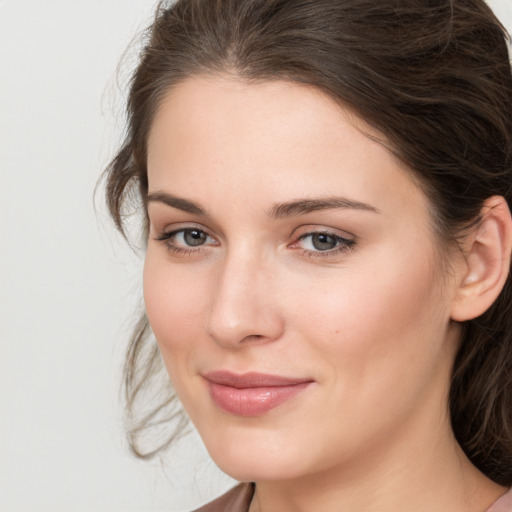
(487, 252)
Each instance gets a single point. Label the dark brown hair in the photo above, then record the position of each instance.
(432, 76)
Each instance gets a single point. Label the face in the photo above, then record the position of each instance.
(291, 280)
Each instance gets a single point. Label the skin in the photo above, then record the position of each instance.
(369, 325)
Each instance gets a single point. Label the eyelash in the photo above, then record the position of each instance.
(168, 238)
(342, 244)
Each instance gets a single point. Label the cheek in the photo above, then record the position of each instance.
(174, 303)
(378, 324)
(377, 339)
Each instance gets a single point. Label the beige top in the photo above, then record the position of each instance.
(239, 498)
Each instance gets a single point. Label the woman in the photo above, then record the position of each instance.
(326, 187)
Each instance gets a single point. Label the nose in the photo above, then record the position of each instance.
(244, 307)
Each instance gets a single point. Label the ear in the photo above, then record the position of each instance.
(484, 271)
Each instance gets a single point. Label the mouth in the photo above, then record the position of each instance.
(252, 394)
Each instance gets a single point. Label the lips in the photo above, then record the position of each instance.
(252, 394)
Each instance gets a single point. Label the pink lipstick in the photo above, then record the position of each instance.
(252, 394)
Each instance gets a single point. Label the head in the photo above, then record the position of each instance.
(423, 87)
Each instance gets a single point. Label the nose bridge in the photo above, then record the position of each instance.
(244, 305)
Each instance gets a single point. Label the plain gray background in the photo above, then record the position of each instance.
(67, 282)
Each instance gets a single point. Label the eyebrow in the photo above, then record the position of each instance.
(305, 206)
(176, 202)
(293, 208)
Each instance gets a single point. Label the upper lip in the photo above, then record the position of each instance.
(251, 379)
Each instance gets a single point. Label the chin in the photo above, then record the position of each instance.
(257, 469)
(257, 456)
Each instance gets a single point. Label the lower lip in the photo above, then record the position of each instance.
(253, 401)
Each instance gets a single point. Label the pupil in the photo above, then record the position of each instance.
(323, 242)
(194, 237)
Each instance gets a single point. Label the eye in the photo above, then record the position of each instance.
(186, 239)
(191, 237)
(320, 242)
(323, 243)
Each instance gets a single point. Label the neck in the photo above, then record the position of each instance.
(421, 485)
(400, 474)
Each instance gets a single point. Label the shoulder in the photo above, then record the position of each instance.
(237, 499)
(503, 504)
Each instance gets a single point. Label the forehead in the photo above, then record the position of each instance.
(216, 137)
(216, 107)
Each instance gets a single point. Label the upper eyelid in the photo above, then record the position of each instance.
(340, 239)
(178, 226)
(175, 231)
(307, 230)
(296, 235)
(325, 232)
(312, 229)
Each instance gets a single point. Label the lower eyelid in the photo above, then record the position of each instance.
(168, 239)
(338, 248)
(343, 243)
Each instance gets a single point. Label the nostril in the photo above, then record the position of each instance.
(253, 337)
